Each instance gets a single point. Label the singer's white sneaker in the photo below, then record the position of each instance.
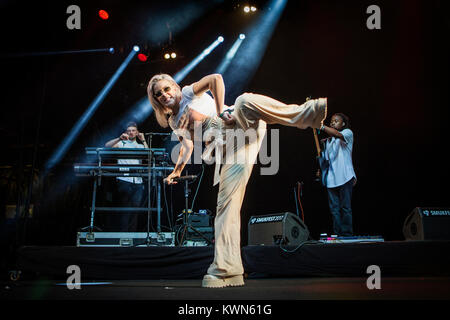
(211, 281)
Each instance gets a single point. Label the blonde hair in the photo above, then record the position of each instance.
(161, 112)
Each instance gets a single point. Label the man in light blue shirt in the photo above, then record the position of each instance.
(340, 176)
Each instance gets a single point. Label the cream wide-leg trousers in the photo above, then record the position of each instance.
(251, 111)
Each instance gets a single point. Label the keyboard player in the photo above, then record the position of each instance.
(130, 191)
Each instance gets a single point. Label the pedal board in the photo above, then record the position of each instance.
(353, 239)
(125, 239)
(195, 243)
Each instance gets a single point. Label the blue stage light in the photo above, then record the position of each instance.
(136, 48)
(185, 71)
(73, 134)
(138, 112)
(230, 55)
(242, 36)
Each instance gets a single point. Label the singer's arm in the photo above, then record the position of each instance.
(187, 146)
(185, 154)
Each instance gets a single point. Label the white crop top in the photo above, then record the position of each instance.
(203, 104)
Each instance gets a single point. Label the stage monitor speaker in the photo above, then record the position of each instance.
(200, 220)
(274, 229)
(427, 224)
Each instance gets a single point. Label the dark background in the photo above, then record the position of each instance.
(392, 83)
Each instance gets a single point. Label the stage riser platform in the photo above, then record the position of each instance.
(402, 258)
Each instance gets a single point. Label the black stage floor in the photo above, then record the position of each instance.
(394, 258)
(408, 270)
(266, 298)
(266, 289)
(325, 279)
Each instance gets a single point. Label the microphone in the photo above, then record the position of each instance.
(184, 178)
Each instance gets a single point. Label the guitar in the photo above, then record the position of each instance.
(323, 163)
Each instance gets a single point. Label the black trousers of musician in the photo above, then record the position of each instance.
(340, 202)
(128, 194)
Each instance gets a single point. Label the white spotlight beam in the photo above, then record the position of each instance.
(230, 54)
(81, 123)
(185, 71)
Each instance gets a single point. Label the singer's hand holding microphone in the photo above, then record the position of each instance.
(170, 177)
(174, 178)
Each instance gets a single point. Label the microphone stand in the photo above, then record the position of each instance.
(186, 223)
(149, 183)
(149, 202)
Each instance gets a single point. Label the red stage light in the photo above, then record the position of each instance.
(142, 57)
(103, 14)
